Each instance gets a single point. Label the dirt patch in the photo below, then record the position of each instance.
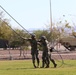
(17, 55)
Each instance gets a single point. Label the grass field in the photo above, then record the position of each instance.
(25, 67)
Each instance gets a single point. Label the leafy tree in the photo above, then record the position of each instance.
(5, 31)
(14, 36)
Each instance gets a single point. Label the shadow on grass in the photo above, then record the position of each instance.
(18, 69)
(26, 68)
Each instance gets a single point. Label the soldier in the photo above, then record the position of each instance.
(45, 56)
(52, 60)
(34, 50)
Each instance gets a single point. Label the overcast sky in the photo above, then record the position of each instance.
(35, 14)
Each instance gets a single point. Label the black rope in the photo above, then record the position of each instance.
(61, 58)
(62, 62)
(15, 20)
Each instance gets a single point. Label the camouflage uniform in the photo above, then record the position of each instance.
(45, 56)
(52, 60)
(34, 51)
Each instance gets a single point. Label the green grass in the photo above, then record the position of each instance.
(25, 67)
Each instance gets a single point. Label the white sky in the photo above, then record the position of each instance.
(35, 14)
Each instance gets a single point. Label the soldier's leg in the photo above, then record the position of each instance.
(37, 58)
(43, 60)
(52, 60)
(33, 60)
(47, 61)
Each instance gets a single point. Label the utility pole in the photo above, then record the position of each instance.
(51, 22)
(50, 16)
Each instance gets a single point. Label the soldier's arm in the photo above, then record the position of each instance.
(27, 39)
(39, 42)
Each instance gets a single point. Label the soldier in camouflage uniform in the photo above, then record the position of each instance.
(34, 50)
(45, 56)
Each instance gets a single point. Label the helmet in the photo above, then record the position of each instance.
(33, 35)
(43, 38)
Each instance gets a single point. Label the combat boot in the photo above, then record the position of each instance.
(55, 65)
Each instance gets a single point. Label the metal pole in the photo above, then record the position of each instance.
(50, 16)
(51, 22)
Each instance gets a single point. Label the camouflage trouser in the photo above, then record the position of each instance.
(45, 59)
(35, 56)
(52, 60)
